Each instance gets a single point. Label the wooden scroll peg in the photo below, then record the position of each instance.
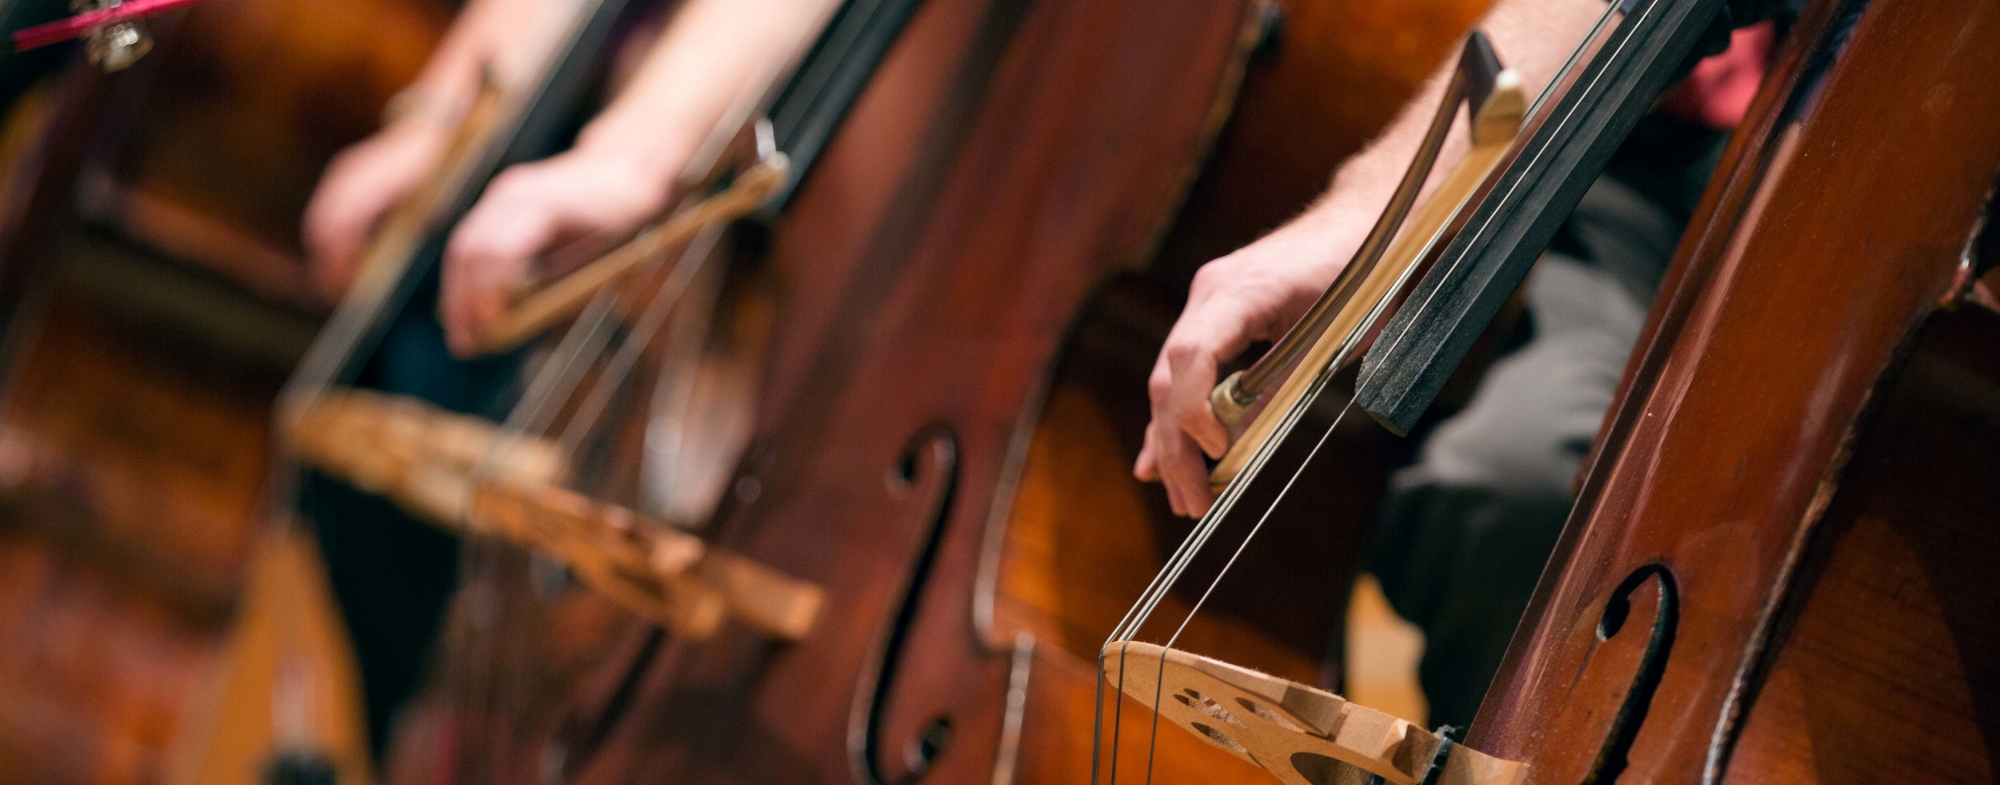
(1496, 107)
(412, 452)
(1301, 735)
(665, 575)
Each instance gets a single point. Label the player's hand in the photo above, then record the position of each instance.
(589, 195)
(1254, 294)
(360, 186)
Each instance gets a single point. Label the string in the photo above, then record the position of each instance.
(385, 280)
(591, 335)
(646, 327)
(1234, 490)
(1198, 537)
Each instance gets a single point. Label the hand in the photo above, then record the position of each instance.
(1254, 294)
(360, 186)
(589, 194)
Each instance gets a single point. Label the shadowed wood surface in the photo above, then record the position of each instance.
(1891, 669)
(155, 300)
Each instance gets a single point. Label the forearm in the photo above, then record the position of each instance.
(1533, 37)
(482, 32)
(712, 54)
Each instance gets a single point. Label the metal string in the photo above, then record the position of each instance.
(592, 333)
(1197, 538)
(646, 327)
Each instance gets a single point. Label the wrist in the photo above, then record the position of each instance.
(1325, 237)
(653, 153)
(440, 95)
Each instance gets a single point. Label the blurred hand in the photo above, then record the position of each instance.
(360, 186)
(1254, 294)
(588, 194)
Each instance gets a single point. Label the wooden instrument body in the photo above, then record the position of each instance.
(1015, 154)
(155, 298)
(1805, 447)
(929, 277)
(1083, 539)
(1025, 333)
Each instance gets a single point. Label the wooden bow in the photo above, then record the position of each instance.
(1328, 333)
(537, 307)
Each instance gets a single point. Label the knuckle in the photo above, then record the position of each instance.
(1188, 353)
(1194, 418)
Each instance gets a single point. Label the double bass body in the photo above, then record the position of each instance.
(1007, 159)
(1053, 141)
(1780, 569)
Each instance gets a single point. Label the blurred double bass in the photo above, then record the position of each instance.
(147, 353)
(154, 298)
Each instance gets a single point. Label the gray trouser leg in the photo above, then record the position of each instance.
(1466, 529)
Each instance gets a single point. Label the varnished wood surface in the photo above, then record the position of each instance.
(98, 670)
(1836, 225)
(907, 388)
(140, 366)
(1890, 671)
(219, 136)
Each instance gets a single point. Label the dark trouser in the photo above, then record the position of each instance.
(1466, 530)
(392, 573)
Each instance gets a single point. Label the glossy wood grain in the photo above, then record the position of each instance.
(140, 368)
(1331, 76)
(1835, 227)
(1890, 671)
(925, 279)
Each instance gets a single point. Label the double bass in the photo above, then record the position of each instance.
(877, 470)
(857, 320)
(1782, 548)
(1770, 573)
(154, 298)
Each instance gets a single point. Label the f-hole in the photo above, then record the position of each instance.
(928, 461)
(587, 728)
(1611, 758)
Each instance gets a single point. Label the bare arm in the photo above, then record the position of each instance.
(1256, 293)
(626, 162)
(367, 179)
(485, 31)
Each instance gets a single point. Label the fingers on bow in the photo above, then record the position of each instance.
(1216, 326)
(487, 258)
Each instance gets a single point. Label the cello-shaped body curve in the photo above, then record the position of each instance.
(1770, 575)
(1047, 144)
